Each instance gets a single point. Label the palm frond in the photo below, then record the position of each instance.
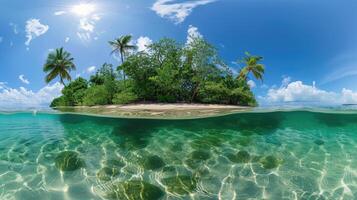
(125, 39)
(59, 63)
(50, 76)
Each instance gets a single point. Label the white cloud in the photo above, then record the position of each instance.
(3, 85)
(83, 36)
(142, 43)
(341, 66)
(300, 93)
(96, 17)
(61, 12)
(14, 27)
(91, 69)
(34, 29)
(286, 80)
(66, 40)
(251, 84)
(177, 11)
(24, 98)
(83, 9)
(87, 21)
(192, 33)
(86, 27)
(23, 79)
(340, 73)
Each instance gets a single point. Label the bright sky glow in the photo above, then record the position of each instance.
(83, 9)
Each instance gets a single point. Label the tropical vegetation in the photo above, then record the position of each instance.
(59, 63)
(166, 71)
(122, 47)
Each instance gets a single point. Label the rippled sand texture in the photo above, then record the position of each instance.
(277, 155)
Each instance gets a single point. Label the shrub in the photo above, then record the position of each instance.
(96, 95)
(240, 96)
(57, 102)
(214, 92)
(124, 97)
(75, 91)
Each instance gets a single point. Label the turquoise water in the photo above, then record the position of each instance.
(271, 155)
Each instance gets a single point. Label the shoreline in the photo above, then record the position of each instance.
(157, 110)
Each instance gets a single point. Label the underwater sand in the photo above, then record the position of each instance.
(270, 155)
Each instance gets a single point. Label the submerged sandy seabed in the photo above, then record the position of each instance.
(162, 111)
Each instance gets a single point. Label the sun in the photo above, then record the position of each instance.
(83, 9)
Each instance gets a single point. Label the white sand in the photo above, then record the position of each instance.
(177, 106)
(161, 111)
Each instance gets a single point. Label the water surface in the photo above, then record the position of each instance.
(267, 155)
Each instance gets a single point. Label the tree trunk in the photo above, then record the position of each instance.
(195, 91)
(61, 80)
(122, 61)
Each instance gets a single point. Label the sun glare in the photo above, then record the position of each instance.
(83, 9)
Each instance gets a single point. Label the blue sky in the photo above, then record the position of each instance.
(309, 47)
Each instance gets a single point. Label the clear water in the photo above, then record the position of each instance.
(271, 155)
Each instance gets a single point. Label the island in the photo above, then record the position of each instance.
(166, 80)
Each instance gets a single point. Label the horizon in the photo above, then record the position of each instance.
(309, 56)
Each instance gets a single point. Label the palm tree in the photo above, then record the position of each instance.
(252, 66)
(121, 46)
(59, 63)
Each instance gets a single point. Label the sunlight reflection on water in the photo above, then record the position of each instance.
(259, 155)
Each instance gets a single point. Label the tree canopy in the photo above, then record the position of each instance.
(167, 72)
(122, 47)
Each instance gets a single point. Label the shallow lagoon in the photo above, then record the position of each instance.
(270, 155)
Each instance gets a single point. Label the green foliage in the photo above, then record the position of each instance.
(200, 65)
(239, 96)
(213, 92)
(165, 72)
(75, 91)
(106, 76)
(167, 55)
(140, 68)
(57, 102)
(125, 97)
(191, 73)
(122, 47)
(96, 95)
(73, 94)
(252, 66)
(103, 74)
(59, 63)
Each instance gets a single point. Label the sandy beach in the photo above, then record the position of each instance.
(161, 111)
